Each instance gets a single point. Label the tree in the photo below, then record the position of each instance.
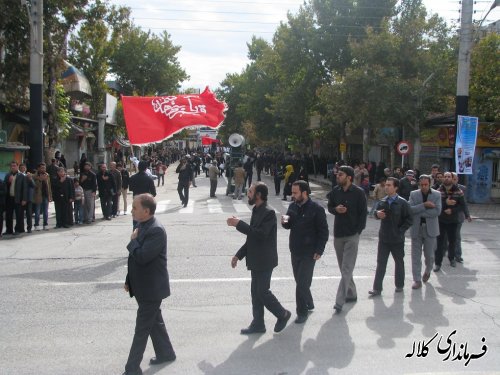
(485, 79)
(15, 48)
(146, 64)
(59, 19)
(91, 47)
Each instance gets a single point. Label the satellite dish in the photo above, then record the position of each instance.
(236, 140)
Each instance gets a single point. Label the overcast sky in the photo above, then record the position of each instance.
(213, 34)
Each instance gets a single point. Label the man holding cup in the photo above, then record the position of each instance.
(308, 236)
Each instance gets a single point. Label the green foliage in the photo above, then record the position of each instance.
(485, 79)
(15, 43)
(146, 64)
(63, 114)
(91, 47)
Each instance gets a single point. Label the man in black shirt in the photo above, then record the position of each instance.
(348, 203)
(308, 236)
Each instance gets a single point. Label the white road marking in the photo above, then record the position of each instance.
(241, 207)
(235, 280)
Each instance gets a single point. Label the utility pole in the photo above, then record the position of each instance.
(35, 135)
(464, 59)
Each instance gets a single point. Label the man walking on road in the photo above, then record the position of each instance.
(308, 236)
(213, 174)
(425, 205)
(395, 215)
(261, 252)
(348, 203)
(147, 280)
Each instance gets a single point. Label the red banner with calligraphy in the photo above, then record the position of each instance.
(153, 119)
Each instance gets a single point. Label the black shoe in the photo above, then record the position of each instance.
(252, 329)
(139, 372)
(159, 361)
(301, 319)
(281, 322)
(310, 306)
(453, 263)
(351, 299)
(437, 268)
(337, 308)
(459, 259)
(374, 293)
(399, 290)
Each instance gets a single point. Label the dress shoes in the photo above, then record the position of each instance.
(337, 308)
(351, 299)
(139, 372)
(159, 361)
(453, 263)
(374, 293)
(301, 319)
(459, 259)
(416, 285)
(425, 277)
(281, 322)
(437, 268)
(399, 290)
(310, 306)
(252, 329)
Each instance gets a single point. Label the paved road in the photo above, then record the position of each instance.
(63, 309)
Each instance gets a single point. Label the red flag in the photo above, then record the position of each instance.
(155, 118)
(207, 141)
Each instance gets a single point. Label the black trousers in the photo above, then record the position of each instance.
(277, 185)
(303, 269)
(11, 208)
(114, 204)
(149, 323)
(446, 231)
(28, 211)
(398, 253)
(263, 297)
(63, 215)
(183, 190)
(106, 205)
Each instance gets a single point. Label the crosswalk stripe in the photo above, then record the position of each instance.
(241, 207)
(189, 209)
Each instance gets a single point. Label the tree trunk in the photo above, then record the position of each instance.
(366, 143)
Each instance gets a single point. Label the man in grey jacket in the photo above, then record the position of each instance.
(425, 206)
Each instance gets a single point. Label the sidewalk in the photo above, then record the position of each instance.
(490, 211)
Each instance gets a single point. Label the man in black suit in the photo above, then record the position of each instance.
(306, 220)
(148, 281)
(15, 199)
(261, 252)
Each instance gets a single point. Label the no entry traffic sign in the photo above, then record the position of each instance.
(403, 148)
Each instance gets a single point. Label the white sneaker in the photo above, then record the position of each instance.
(37, 228)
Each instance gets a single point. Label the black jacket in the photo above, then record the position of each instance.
(185, 175)
(107, 188)
(406, 187)
(3, 193)
(125, 178)
(397, 221)
(354, 220)
(21, 187)
(90, 182)
(63, 191)
(308, 228)
(457, 195)
(147, 276)
(260, 248)
(141, 183)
